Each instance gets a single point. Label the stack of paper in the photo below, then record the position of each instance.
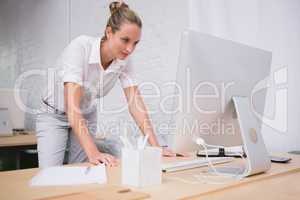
(69, 176)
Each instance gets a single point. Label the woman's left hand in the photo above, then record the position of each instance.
(168, 153)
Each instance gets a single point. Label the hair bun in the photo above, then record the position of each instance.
(117, 5)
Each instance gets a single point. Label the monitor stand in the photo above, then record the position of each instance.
(257, 160)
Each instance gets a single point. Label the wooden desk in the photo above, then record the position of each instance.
(18, 143)
(18, 140)
(281, 182)
(284, 187)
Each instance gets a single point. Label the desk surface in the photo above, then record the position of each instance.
(285, 187)
(280, 182)
(18, 140)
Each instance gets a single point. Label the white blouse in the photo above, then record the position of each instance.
(80, 63)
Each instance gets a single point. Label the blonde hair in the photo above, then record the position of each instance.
(120, 14)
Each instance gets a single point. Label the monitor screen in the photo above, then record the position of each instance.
(210, 71)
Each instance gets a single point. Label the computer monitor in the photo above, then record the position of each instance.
(212, 70)
(16, 111)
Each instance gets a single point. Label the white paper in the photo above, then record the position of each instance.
(55, 176)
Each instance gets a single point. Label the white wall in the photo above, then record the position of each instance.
(36, 32)
(32, 34)
(267, 24)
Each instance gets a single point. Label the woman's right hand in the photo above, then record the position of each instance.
(97, 157)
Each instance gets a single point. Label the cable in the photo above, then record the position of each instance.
(237, 176)
(204, 178)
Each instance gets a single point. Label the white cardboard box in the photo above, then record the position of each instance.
(141, 167)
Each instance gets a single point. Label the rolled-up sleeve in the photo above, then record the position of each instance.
(72, 61)
(128, 77)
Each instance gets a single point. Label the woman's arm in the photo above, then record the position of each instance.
(72, 96)
(139, 113)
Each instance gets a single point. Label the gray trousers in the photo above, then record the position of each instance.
(55, 136)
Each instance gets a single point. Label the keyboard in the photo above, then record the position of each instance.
(189, 164)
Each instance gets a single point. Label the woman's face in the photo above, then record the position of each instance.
(122, 43)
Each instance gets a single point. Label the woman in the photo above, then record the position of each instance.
(87, 69)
